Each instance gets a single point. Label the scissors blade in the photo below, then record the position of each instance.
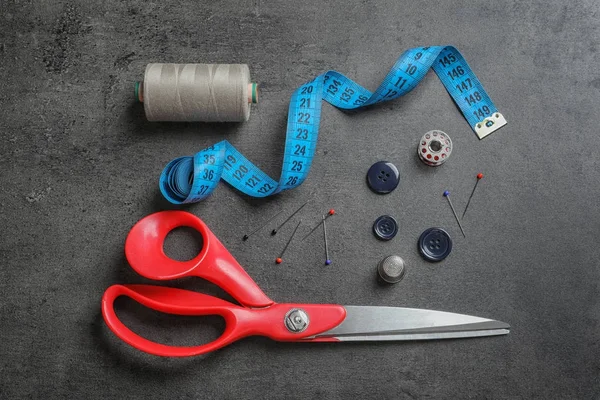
(365, 323)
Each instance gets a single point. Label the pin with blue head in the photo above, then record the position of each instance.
(447, 195)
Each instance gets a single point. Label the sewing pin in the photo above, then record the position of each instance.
(279, 259)
(447, 195)
(260, 227)
(329, 214)
(274, 231)
(479, 177)
(327, 260)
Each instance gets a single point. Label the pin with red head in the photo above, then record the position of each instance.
(479, 177)
(327, 259)
(279, 259)
(329, 214)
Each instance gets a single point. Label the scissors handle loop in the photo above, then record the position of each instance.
(240, 322)
(171, 301)
(144, 251)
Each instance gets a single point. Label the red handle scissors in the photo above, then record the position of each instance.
(258, 314)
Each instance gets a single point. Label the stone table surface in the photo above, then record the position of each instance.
(79, 165)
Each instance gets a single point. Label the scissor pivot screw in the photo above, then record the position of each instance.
(296, 320)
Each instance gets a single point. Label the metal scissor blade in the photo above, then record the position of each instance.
(364, 323)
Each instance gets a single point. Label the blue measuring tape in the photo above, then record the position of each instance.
(191, 179)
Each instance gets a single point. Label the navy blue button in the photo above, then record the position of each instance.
(383, 177)
(385, 227)
(435, 244)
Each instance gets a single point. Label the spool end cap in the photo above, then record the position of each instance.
(253, 93)
(139, 91)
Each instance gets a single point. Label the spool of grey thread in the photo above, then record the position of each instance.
(197, 92)
(391, 269)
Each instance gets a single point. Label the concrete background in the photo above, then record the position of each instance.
(79, 165)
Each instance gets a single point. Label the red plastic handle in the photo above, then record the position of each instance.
(240, 322)
(168, 300)
(144, 251)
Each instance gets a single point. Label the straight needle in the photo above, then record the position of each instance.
(447, 195)
(329, 214)
(274, 231)
(479, 177)
(279, 259)
(260, 227)
(327, 260)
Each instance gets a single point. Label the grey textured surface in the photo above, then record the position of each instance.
(79, 166)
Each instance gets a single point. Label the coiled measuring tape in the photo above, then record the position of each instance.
(191, 179)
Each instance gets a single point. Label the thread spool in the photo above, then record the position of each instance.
(197, 92)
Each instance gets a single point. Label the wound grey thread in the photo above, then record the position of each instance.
(196, 92)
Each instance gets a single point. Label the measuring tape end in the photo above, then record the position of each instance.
(489, 125)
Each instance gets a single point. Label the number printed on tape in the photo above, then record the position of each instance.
(191, 179)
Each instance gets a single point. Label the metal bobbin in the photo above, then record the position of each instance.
(435, 148)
